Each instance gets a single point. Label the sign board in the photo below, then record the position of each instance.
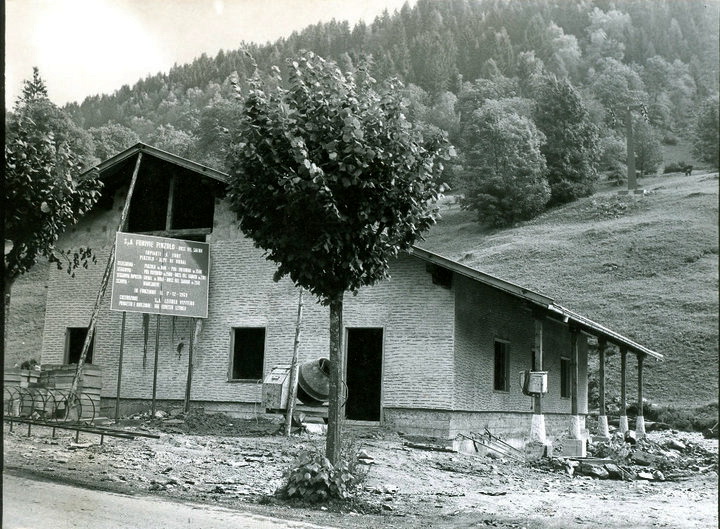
(157, 275)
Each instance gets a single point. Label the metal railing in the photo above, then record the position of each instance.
(48, 407)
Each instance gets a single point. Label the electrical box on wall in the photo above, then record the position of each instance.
(533, 382)
(276, 388)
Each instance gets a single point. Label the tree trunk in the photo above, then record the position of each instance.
(335, 408)
(6, 290)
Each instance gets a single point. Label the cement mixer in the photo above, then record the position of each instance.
(313, 385)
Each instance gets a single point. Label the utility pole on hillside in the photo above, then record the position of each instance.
(631, 174)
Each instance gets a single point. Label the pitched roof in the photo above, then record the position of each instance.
(123, 156)
(537, 299)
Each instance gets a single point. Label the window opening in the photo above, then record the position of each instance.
(565, 377)
(74, 341)
(248, 353)
(501, 378)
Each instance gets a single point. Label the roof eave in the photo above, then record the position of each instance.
(536, 298)
(496, 282)
(162, 155)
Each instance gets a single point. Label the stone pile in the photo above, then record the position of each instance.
(629, 458)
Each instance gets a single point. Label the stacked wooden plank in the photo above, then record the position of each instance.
(44, 393)
(58, 379)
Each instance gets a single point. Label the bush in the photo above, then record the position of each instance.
(669, 139)
(618, 174)
(696, 419)
(675, 167)
(312, 478)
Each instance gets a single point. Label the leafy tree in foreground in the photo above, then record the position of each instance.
(571, 149)
(42, 195)
(504, 170)
(332, 181)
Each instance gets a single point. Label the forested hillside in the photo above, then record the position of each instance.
(453, 56)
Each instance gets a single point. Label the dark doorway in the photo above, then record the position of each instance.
(74, 341)
(364, 374)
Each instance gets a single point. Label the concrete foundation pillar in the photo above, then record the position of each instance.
(640, 427)
(575, 427)
(623, 424)
(537, 429)
(603, 429)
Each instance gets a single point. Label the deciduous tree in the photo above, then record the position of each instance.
(332, 181)
(706, 133)
(43, 194)
(504, 167)
(571, 149)
(648, 149)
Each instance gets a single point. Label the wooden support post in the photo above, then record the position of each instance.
(603, 429)
(623, 390)
(575, 428)
(538, 357)
(537, 428)
(171, 199)
(188, 386)
(292, 393)
(335, 408)
(640, 424)
(574, 371)
(120, 361)
(101, 291)
(155, 369)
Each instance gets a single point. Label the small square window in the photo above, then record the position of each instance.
(565, 377)
(502, 366)
(248, 353)
(74, 341)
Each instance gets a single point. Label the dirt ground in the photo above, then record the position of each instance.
(233, 463)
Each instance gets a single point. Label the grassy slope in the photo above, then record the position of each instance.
(24, 325)
(646, 266)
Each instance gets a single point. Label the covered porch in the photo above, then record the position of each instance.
(578, 326)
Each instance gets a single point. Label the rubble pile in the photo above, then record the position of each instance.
(628, 458)
(198, 422)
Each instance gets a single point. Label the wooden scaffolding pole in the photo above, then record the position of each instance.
(294, 367)
(101, 291)
(188, 385)
(120, 360)
(155, 367)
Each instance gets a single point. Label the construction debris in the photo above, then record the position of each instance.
(628, 458)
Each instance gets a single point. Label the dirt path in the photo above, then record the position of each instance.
(404, 487)
(31, 503)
